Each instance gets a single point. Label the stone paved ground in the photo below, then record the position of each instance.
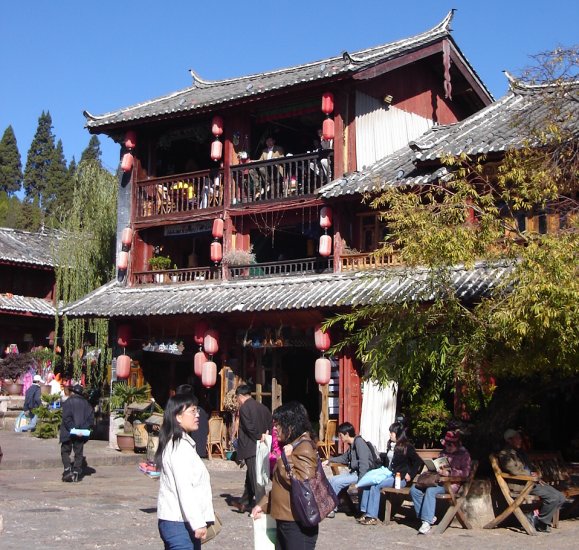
(115, 508)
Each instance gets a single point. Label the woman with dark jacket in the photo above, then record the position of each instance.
(293, 429)
(402, 459)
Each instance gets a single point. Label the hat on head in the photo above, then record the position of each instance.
(37, 378)
(510, 433)
(451, 437)
(77, 388)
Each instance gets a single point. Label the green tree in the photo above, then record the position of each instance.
(58, 194)
(10, 163)
(92, 151)
(40, 157)
(28, 216)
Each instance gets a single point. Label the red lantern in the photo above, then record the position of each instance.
(131, 139)
(123, 260)
(127, 162)
(123, 366)
(200, 330)
(209, 374)
(328, 129)
(325, 245)
(124, 335)
(216, 150)
(216, 252)
(199, 358)
(323, 371)
(217, 228)
(322, 339)
(217, 126)
(211, 342)
(327, 102)
(127, 236)
(325, 217)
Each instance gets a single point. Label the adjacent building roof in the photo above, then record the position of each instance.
(501, 126)
(27, 248)
(333, 291)
(12, 303)
(221, 92)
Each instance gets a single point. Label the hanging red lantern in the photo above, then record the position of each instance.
(211, 342)
(198, 359)
(216, 150)
(209, 374)
(199, 332)
(325, 245)
(217, 228)
(322, 339)
(216, 252)
(327, 102)
(325, 217)
(124, 335)
(323, 371)
(123, 260)
(127, 162)
(123, 366)
(328, 129)
(217, 126)
(131, 139)
(127, 236)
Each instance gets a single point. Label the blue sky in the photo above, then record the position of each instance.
(69, 55)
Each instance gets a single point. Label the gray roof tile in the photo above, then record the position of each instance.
(24, 247)
(25, 304)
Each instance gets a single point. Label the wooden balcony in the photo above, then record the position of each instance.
(173, 276)
(281, 178)
(305, 266)
(160, 197)
(364, 262)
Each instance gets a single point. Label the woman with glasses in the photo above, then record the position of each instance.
(184, 505)
(459, 465)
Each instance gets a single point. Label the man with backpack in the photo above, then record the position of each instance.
(360, 457)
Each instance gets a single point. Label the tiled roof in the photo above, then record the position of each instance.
(204, 94)
(24, 247)
(496, 128)
(11, 303)
(280, 293)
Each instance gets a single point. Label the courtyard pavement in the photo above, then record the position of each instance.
(115, 508)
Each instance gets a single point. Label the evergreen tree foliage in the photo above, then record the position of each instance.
(40, 157)
(58, 194)
(10, 163)
(92, 151)
(28, 216)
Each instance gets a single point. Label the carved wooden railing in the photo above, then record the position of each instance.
(157, 197)
(305, 266)
(362, 262)
(281, 178)
(170, 276)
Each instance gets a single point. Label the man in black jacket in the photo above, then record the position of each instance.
(78, 414)
(32, 400)
(254, 421)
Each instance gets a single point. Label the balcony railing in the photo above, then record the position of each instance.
(179, 193)
(281, 178)
(362, 262)
(305, 266)
(170, 276)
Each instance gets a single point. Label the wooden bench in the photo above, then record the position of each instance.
(552, 469)
(393, 498)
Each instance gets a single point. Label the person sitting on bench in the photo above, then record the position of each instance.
(515, 461)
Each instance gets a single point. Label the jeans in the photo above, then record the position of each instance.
(370, 501)
(343, 481)
(292, 536)
(425, 501)
(178, 535)
(551, 499)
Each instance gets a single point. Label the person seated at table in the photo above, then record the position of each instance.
(267, 175)
(514, 460)
(424, 500)
(402, 459)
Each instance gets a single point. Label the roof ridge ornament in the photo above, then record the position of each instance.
(198, 81)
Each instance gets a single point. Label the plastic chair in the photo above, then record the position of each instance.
(215, 438)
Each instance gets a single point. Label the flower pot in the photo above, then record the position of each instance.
(13, 388)
(126, 443)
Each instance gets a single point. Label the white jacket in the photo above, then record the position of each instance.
(185, 489)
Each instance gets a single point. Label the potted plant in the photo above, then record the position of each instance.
(12, 367)
(160, 263)
(233, 258)
(122, 397)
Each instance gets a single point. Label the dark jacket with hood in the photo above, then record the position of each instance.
(76, 413)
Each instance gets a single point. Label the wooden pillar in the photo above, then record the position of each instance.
(324, 410)
(350, 397)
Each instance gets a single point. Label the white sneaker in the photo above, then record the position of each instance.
(424, 528)
(434, 518)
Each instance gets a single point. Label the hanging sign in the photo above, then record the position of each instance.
(188, 228)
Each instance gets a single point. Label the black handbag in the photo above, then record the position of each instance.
(427, 479)
(311, 499)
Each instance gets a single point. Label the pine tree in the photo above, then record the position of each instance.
(40, 156)
(10, 163)
(29, 217)
(92, 151)
(58, 193)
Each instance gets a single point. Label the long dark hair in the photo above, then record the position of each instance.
(401, 436)
(171, 429)
(293, 420)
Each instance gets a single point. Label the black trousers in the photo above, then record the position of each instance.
(75, 444)
(551, 499)
(292, 536)
(252, 489)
